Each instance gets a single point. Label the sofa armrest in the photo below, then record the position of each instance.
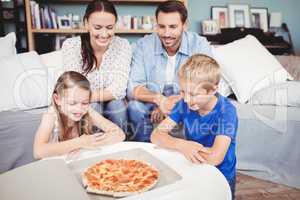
(291, 64)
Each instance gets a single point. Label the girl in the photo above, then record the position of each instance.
(103, 58)
(67, 125)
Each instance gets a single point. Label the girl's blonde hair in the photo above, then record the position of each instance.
(200, 68)
(68, 80)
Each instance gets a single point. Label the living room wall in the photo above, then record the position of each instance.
(200, 10)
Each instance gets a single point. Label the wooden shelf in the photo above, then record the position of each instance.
(74, 31)
(31, 32)
(115, 1)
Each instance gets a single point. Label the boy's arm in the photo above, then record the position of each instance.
(160, 136)
(190, 149)
(218, 150)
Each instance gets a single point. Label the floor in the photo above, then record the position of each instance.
(250, 188)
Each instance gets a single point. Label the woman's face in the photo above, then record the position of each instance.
(101, 26)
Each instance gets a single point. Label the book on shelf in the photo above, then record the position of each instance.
(43, 16)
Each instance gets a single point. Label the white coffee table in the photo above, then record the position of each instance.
(198, 181)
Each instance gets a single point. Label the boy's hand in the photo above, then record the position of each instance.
(191, 150)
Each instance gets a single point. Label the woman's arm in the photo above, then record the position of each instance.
(102, 95)
(112, 133)
(71, 54)
(120, 67)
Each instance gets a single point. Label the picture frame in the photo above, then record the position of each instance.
(259, 18)
(239, 15)
(64, 22)
(220, 13)
(8, 14)
(210, 27)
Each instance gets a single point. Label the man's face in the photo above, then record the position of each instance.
(170, 29)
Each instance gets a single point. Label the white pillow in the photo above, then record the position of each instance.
(224, 88)
(24, 84)
(52, 59)
(248, 67)
(7, 45)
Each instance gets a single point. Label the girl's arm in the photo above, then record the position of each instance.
(112, 133)
(42, 148)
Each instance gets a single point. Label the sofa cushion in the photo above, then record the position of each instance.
(283, 94)
(25, 84)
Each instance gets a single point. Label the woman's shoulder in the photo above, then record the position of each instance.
(121, 42)
(73, 42)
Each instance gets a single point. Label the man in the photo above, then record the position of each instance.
(153, 83)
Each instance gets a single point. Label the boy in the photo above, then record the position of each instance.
(209, 119)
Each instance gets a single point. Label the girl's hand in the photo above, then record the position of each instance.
(191, 150)
(91, 141)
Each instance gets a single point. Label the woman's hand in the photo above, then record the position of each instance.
(191, 150)
(91, 141)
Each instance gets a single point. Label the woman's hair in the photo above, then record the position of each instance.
(173, 6)
(69, 80)
(200, 68)
(87, 52)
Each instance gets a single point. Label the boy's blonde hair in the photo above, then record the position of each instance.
(200, 68)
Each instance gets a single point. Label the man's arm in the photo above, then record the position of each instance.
(141, 93)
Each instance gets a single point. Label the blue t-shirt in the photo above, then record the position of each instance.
(222, 120)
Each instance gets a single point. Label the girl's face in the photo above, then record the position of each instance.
(101, 26)
(73, 103)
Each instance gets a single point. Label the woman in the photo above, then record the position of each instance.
(103, 58)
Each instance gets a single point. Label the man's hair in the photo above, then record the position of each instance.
(200, 68)
(173, 6)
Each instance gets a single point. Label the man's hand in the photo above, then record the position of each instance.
(191, 150)
(157, 116)
(166, 104)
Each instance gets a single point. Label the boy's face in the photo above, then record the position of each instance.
(197, 95)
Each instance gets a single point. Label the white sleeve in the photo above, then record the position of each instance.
(120, 70)
(71, 54)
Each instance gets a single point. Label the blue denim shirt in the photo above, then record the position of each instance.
(149, 60)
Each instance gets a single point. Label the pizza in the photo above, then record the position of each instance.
(120, 178)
